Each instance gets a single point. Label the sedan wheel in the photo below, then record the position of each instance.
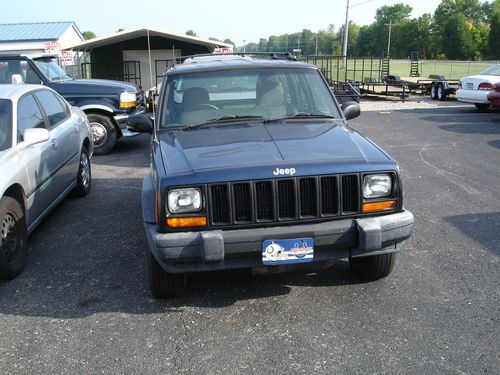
(13, 239)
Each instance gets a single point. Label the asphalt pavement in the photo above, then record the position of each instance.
(83, 305)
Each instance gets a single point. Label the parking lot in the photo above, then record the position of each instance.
(83, 305)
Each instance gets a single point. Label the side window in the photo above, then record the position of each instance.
(52, 106)
(28, 115)
(29, 74)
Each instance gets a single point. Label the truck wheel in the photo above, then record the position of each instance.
(441, 92)
(104, 133)
(433, 91)
(13, 239)
(373, 267)
(482, 106)
(84, 177)
(164, 284)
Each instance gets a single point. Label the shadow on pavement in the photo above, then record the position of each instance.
(482, 228)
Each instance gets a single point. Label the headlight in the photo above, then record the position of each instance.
(184, 200)
(377, 185)
(128, 99)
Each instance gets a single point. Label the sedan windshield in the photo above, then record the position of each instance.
(246, 95)
(5, 124)
(50, 68)
(493, 71)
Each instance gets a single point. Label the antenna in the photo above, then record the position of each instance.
(151, 79)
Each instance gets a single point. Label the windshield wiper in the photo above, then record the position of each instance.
(220, 120)
(299, 115)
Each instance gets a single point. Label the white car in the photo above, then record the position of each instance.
(45, 151)
(475, 89)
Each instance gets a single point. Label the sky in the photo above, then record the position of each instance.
(237, 20)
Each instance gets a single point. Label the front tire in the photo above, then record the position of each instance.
(482, 106)
(13, 238)
(373, 267)
(84, 177)
(104, 133)
(164, 284)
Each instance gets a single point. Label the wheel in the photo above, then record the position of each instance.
(164, 284)
(13, 238)
(433, 91)
(482, 106)
(441, 92)
(84, 177)
(104, 133)
(373, 267)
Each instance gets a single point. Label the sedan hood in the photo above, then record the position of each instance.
(279, 145)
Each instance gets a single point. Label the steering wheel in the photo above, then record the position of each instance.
(205, 105)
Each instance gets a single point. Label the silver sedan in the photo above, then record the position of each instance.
(45, 151)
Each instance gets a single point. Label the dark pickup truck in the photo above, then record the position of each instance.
(254, 166)
(106, 103)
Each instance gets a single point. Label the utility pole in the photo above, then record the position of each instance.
(389, 40)
(244, 46)
(346, 31)
(316, 44)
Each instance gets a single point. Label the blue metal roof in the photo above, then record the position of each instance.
(10, 32)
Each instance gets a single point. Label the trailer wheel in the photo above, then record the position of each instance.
(433, 91)
(441, 92)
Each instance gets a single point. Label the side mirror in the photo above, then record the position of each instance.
(351, 110)
(35, 135)
(140, 124)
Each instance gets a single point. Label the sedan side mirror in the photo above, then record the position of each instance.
(35, 135)
(351, 110)
(140, 124)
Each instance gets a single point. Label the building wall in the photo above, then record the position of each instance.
(107, 62)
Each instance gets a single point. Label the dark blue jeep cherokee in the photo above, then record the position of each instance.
(253, 165)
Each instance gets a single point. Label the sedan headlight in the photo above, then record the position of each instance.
(184, 200)
(128, 99)
(377, 185)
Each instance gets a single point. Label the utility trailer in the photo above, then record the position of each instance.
(436, 86)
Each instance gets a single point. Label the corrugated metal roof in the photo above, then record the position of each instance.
(34, 31)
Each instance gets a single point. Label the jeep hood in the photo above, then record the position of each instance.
(282, 145)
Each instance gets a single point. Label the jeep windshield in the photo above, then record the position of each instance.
(246, 95)
(50, 68)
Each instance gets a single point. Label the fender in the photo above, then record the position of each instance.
(101, 107)
(148, 200)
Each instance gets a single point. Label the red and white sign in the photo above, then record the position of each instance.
(221, 50)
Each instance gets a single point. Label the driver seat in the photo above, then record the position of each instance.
(193, 97)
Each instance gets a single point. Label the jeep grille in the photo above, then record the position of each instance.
(283, 200)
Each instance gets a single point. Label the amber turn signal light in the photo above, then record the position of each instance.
(180, 222)
(379, 206)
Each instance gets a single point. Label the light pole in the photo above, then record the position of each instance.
(244, 46)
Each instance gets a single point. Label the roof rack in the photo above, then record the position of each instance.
(271, 55)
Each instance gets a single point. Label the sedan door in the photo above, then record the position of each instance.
(37, 159)
(63, 137)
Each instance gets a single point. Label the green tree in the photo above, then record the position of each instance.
(191, 33)
(88, 35)
(459, 39)
(493, 45)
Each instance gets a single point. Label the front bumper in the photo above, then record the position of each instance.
(121, 121)
(242, 248)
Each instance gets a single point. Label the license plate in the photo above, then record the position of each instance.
(470, 86)
(296, 250)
